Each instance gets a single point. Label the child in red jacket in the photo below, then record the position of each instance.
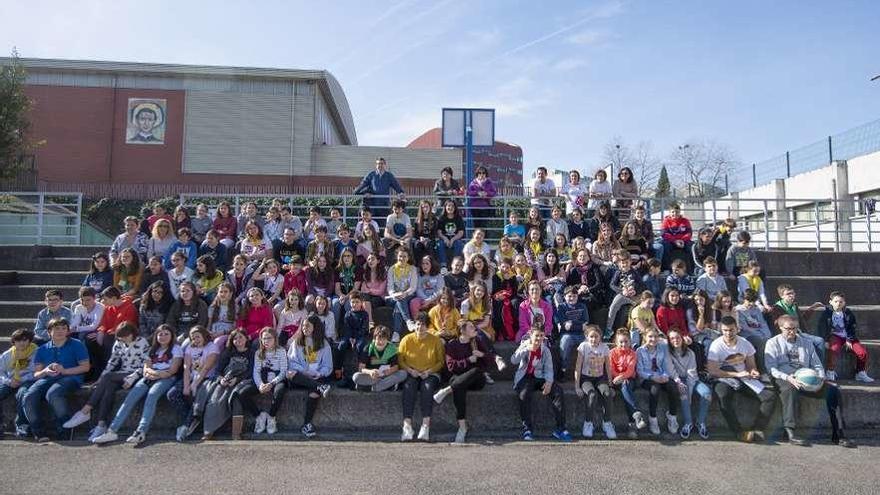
(671, 314)
(623, 376)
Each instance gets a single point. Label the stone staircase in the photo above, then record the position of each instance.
(27, 272)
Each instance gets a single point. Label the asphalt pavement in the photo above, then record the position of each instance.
(485, 467)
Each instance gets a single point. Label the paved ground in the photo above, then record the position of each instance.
(485, 467)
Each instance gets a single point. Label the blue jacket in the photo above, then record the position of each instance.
(543, 369)
(41, 330)
(296, 359)
(378, 185)
(823, 327)
(645, 358)
(577, 314)
(189, 249)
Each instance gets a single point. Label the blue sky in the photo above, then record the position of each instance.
(564, 76)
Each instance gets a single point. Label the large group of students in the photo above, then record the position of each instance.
(212, 312)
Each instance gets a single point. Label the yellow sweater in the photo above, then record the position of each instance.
(425, 354)
(438, 326)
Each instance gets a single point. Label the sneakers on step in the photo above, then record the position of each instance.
(746, 437)
(686, 430)
(527, 435)
(271, 425)
(500, 363)
(639, 420)
(77, 419)
(608, 428)
(672, 423)
(308, 430)
(180, 436)
(703, 431)
(831, 375)
(863, 377)
(562, 436)
(408, 433)
(587, 430)
(424, 433)
(759, 436)
(395, 337)
(136, 438)
(260, 423)
(193, 426)
(489, 379)
(324, 389)
(97, 432)
(461, 435)
(107, 437)
(439, 396)
(654, 426)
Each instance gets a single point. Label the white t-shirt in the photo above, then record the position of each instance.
(574, 196)
(85, 321)
(199, 355)
(393, 221)
(548, 188)
(731, 358)
(163, 362)
(175, 279)
(594, 358)
(597, 187)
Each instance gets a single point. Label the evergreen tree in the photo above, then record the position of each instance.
(14, 122)
(663, 186)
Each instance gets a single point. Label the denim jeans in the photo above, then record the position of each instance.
(628, 395)
(704, 393)
(401, 312)
(55, 391)
(568, 342)
(445, 254)
(153, 391)
(21, 423)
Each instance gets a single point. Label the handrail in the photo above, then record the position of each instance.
(54, 221)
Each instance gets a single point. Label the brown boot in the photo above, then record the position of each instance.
(237, 425)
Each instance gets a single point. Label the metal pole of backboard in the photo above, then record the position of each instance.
(469, 157)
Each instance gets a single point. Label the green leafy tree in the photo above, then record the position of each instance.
(663, 185)
(14, 120)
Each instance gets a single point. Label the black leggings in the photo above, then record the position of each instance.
(472, 379)
(424, 388)
(598, 397)
(654, 389)
(302, 381)
(242, 399)
(526, 387)
(103, 395)
(278, 392)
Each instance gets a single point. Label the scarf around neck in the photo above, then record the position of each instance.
(20, 361)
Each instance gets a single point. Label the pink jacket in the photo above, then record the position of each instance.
(525, 318)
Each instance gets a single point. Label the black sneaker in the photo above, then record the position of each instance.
(308, 430)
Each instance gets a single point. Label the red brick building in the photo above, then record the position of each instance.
(504, 161)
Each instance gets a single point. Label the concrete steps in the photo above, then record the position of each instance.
(859, 290)
(811, 262)
(491, 409)
(48, 279)
(35, 292)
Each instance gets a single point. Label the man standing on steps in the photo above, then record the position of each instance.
(784, 355)
(379, 183)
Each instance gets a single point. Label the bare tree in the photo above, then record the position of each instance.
(701, 168)
(639, 158)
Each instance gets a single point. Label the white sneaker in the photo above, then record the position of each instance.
(395, 337)
(862, 376)
(653, 425)
(639, 420)
(831, 375)
(500, 363)
(608, 428)
(587, 431)
(461, 435)
(107, 437)
(181, 433)
(260, 424)
(424, 433)
(489, 379)
(672, 423)
(408, 433)
(77, 419)
(324, 389)
(97, 432)
(439, 396)
(271, 425)
(136, 438)
(443, 270)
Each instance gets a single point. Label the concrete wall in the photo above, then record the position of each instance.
(356, 161)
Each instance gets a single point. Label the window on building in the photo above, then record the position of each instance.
(807, 213)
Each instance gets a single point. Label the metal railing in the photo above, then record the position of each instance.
(40, 218)
(851, 143)
(842, 225)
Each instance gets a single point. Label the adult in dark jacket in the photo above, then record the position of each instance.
(376, 188)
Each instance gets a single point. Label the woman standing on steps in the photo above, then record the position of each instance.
(468, 359)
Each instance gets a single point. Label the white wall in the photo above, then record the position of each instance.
(864, 173)
(355, 161)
